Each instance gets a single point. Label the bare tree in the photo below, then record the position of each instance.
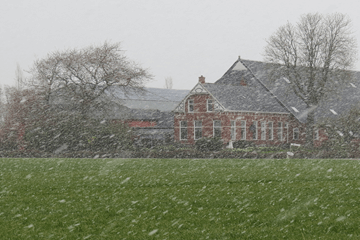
(314, 55)
(168, 83)
(84, 75)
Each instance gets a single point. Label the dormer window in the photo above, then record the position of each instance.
(210, 105)
(191, 105)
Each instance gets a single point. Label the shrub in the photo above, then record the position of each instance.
(209, 144)
(243, 144)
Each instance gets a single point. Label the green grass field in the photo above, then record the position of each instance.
(179, 199)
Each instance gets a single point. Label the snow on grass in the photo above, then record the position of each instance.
(179, 199)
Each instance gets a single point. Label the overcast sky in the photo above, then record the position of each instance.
(180, 39)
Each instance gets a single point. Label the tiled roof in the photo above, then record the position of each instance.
(245, 98)
(233, 95)
(149, 98)
(340, 103)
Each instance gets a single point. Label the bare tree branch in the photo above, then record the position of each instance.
(314, 55)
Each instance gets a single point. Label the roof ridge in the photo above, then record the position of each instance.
(263, 85)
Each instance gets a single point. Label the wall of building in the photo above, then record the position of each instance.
(200, 113)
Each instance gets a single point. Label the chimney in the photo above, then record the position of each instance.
(202, 79)
(243, 82)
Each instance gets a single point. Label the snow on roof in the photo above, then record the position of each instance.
(333, 111)
(294, 108)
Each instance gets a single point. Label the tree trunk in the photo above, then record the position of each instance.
(310, 121)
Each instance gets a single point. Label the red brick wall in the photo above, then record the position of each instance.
(207, 118)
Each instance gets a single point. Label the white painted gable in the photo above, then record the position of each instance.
(239, 67)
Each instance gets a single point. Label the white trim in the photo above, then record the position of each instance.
(316, 134)
(241, 128)
(255, 123)
(280, 132)
(196, 128)
(262, 130)
(207, 105)
(181, 105)
(180, 135)
(188, 102)
(233, 129)
(216, 127)
(272, 130)
(298, 131)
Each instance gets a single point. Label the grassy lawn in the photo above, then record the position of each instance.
(179, 199)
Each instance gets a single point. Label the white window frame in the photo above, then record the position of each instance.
(316, 134)
(280, 131)
(197, 127)
(298, 133)
(263, 130)
(215, 127)
(181, 128)
(209, 102)
(255, 123)
(243, 130)
(191, 103)
(233, 130)
(286, 127)
(271, 130)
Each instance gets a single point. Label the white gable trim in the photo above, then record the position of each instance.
(198, 89)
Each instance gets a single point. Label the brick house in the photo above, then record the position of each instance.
(245, 105)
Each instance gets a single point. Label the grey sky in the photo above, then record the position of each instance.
(179, 39)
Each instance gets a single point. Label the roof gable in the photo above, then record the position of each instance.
(199, 89)
(340, 103)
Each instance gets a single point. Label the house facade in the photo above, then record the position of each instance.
(202, 115)
(243, 106)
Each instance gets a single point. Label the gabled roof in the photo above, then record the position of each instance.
(229, 95)
(239, 90)
(251, 98)
(330, 107)
(149, 98)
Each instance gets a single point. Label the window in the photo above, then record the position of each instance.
(286, 129)
(183, 130)
(263, 131)
(243, 130)
(280, 131)
(233, 130)
(254, 130)
(217, 128)
(316, 134)
(271, 130)
(296, 134)
(197, 130)
(190, 105)
(210, 106)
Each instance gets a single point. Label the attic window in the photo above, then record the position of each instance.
(335, 113)
(210, 105)
(191, 105)
(286, 80)
(294, 108)
(353, 85)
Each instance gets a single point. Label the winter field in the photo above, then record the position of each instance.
(179, 199)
